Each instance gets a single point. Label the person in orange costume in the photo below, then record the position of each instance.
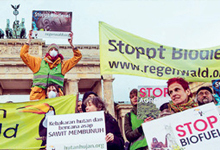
(54, 59)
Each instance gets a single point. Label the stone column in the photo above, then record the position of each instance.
(122, 110)
(108, 93)
(72, 86)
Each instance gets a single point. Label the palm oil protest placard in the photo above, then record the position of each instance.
(54, 24)
(77, 131)
(192, 129)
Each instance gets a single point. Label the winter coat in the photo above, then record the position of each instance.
(112, 127)
(34, 63)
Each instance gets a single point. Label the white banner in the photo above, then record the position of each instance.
(77, 131)
(192, 129)
(50, 34)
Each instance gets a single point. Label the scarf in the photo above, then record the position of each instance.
(53, 61)
(181, 107)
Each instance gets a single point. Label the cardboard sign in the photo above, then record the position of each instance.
(196, 128)
(150, 98)
(77, 131)
(51, 24)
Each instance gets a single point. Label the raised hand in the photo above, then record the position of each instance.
(70, 40)
(29, 37)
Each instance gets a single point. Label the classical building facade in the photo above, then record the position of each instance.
(16, 77)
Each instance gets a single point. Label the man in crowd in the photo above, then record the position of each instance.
(204, 95)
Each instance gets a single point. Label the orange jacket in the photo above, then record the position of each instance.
(34, 64)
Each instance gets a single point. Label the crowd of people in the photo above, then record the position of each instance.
(181, 99)
(48, 83)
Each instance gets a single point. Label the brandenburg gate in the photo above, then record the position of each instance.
(16, 77)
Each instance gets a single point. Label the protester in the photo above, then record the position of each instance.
(204, 95)
(79, 107)
(113, 137)
(164, 110)
(180, 94)
(50, 70)
(132, 126)
(52, 91)
(85, 96)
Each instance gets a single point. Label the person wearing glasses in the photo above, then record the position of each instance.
(204, 95)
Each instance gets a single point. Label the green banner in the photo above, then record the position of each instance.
(24, 125)
(124, 53)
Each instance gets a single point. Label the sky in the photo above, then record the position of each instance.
(190, 24)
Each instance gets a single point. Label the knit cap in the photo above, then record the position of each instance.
(204, 88)
(53, 45)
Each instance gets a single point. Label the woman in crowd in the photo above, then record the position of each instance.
(113, 137)
(79, 107)
(85, 96)
(180, 94)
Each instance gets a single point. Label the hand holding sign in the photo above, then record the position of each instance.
(148, 119)
(29, 37)
(70, 40)
(109, 137)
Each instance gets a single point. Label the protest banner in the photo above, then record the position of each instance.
(124, 53)
(51, 24)
(24, 125)
(195, 128)
(150, 99)
(77, 131)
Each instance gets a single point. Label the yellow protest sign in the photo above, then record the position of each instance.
(24, 125)
(125, 53)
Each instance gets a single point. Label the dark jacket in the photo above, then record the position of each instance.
(131, 134)
(112, 127)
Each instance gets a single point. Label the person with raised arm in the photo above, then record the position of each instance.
(50, 69)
